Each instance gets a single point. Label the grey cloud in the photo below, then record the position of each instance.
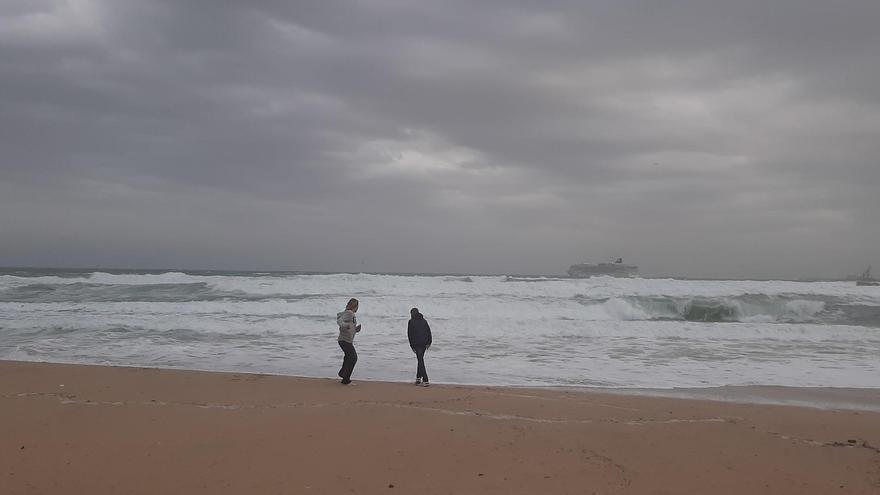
(697, 138)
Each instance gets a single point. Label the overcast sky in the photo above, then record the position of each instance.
(697, 138)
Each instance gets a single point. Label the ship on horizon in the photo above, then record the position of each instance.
(617, 268)
(866, 279)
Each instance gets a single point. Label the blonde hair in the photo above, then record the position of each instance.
(352, 303)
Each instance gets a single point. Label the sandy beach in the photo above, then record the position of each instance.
(86, 429)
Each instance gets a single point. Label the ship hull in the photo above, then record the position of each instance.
(586, 270)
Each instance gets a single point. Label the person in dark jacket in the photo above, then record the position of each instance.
(419, 333)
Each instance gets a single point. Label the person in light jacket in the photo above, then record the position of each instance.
(419, 333)
(348, 327)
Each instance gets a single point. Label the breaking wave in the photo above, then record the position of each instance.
(748, 308)
(79, 292)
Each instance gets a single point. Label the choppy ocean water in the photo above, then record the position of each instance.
(498, 330)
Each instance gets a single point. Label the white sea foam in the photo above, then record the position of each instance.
(494, 330)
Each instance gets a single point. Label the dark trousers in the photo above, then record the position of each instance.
(348, 362)
(420, 370)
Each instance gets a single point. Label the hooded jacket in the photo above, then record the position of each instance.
(347, 326)
(418, 331)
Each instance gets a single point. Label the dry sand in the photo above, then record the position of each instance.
(67, 429)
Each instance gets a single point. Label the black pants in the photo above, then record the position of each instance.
(420, 370)
(348, 362)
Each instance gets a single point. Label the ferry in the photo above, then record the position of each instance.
(617, 268)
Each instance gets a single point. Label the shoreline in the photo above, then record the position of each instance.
(822, 398)
(68, 428)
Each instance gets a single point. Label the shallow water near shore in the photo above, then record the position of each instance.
(853, 399)
(488, 330)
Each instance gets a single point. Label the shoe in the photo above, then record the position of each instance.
(425, 383)
(418, 381)
(345, 382)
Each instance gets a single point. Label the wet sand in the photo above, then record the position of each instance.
(71, 429)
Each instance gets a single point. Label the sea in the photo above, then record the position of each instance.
(615, 333)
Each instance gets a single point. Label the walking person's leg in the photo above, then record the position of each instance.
(418, 366)
(420, 371)
(344, 360)
(348, 362)
(353, 361)
(346, 365)
(350, 358)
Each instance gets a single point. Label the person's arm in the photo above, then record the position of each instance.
(409, 334)
(348, 322)
(428, 328)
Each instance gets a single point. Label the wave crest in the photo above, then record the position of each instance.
(749, 308)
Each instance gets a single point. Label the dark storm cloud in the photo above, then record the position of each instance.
(698, 138)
